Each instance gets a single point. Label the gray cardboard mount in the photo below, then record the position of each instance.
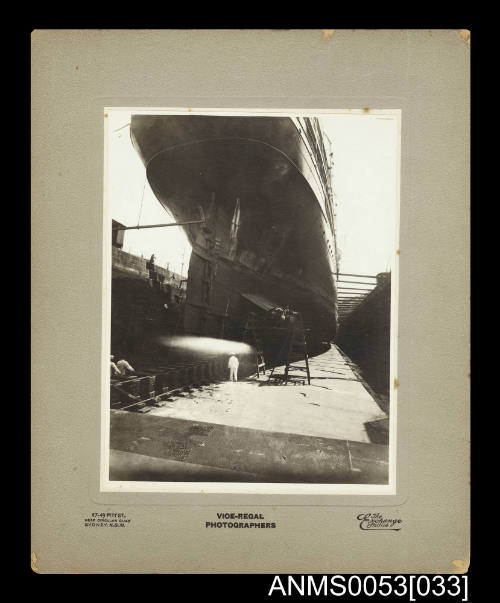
(75, 74)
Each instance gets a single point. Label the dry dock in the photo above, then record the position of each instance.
(257, 430)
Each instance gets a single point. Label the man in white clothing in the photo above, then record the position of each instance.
(232, 365)
(124, 367)
(114, 369)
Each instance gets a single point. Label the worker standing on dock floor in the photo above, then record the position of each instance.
(233, 365)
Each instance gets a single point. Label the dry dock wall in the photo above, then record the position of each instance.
(364, 335)
(133, 266)
(146, 303)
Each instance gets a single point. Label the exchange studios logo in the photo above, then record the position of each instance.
(375, 521)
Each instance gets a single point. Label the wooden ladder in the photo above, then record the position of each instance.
(294, 346)
(252, 336)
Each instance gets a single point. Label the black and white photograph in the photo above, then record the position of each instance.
(254, 244)
(250, 304)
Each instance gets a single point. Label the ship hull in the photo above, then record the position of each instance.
(266, 230)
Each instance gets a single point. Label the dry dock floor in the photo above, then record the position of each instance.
(257, 430)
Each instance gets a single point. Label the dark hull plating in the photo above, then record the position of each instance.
(268, 222)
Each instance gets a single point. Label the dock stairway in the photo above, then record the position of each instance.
(251, 335)
(294, 349)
